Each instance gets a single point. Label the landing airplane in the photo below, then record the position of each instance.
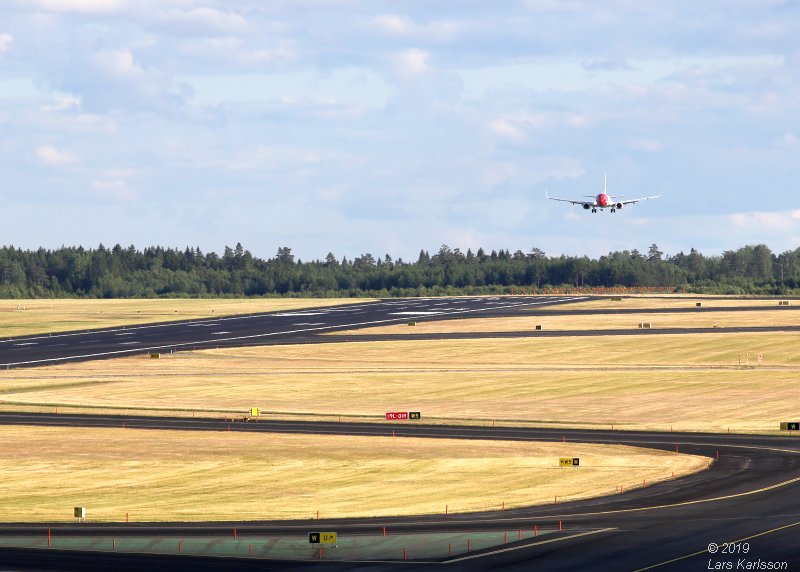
(603, 200)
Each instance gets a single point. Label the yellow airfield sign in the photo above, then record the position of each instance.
(569, 461)
(322, 538)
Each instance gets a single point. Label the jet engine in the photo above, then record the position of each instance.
(619, 206)
(586, 206)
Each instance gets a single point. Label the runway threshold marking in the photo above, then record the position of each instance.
(528, 545)
(698, 553)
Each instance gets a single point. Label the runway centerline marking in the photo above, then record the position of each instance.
(268, 334)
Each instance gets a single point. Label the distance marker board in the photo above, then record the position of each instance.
(402, 415)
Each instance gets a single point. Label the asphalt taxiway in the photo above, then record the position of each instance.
(749, 494)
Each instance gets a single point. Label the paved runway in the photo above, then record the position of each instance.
(305, 326)
(751, 493)
(255, 329)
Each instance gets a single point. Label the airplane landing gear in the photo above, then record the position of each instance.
(613, 210)
(594, 210)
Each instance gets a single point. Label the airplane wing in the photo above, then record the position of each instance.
(567, 200)
(634, 201)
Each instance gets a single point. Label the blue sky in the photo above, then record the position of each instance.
(389, 127)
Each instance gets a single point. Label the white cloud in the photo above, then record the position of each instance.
(64, 103)
(411, 62)
(114, 189)
(392, 23)
(766, 222)
(505, 128)
(115, 79)
(237, 51)
(272, 158)
(576, 121)
(5, 43)
(203, 20)
(82, 6)
(118, 62)
(606, 65)
(397, 109)
(402, 26)
(52, 155)
(648, 145)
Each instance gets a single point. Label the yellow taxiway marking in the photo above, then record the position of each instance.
(706, 550)
(529, 545)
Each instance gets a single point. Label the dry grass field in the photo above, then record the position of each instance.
(787, 317)
(23, 317)
(176, 475)
(687, 382)
(678, 301)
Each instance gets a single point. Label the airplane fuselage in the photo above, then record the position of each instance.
(602, 200)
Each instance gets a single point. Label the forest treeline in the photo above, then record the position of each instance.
(166, 272)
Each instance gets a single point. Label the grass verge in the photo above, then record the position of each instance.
(186, 476)
(683, 382)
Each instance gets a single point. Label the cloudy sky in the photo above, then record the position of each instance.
(359, 126)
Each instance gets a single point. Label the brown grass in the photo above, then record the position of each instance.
(176, 475)
(591, 322)
(631, 382)
(687, 301)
